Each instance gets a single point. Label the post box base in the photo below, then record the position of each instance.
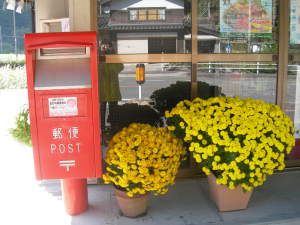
(75, 195)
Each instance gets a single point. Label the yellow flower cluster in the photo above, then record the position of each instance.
(142, 158)
(239, 140)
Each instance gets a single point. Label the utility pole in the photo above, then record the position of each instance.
(15, 35)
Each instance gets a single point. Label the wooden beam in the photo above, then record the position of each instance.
(150, 58)
(234, 58)
(94, 16)
(292, 163)
(194, 34)
(144, 58)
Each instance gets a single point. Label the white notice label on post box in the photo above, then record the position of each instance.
(63, 106)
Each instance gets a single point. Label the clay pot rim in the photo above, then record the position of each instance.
(214, 178)
(123, 193)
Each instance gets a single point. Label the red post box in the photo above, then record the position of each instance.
(62, 80)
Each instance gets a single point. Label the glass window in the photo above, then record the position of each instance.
(204, 8)
(292, 98)
(243, 79)
(147, 14)
(23, 26)
(236, 26)
(147, 30)
(142, 14)
(164, 86)
(133, 14)
(152, 14)
(161, 14)
(157, 75)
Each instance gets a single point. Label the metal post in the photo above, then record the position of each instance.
(140, 92)
(15, 36)
(208, 9)
(32, 17)
(75, 195)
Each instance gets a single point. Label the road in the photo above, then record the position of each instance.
(233, 83)
(154, 80)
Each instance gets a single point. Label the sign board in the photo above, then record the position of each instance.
(295, 22)
(63, 106)
(246, 17)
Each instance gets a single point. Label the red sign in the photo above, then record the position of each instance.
(64, 108)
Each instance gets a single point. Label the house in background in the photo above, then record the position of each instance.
(143, 26)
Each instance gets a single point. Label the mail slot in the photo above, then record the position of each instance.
(62, 81)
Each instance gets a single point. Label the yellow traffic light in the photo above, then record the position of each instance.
(140, 73)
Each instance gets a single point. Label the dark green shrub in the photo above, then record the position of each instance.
(123, 115)
(168, 97)
(22, 130)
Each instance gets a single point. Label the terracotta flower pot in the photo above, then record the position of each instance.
(131, 206)
(227, 199)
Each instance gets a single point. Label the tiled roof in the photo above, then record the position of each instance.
(166, 26)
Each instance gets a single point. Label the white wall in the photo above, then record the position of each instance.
(124, 4)
(133, 46)
(45, 9)
(145, 35)
(82, 13)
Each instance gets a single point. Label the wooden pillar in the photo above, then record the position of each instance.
(83, 15)
(283, 40)
(194, 42)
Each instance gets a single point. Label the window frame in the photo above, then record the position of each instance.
(160, 17)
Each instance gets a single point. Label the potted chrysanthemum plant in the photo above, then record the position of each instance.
(237, 142)
(141, 159)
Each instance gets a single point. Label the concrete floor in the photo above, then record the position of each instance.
(27, 201)
(188, 203)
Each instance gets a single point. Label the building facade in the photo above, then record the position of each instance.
(152, 27)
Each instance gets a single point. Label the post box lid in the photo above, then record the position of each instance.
(62, 74)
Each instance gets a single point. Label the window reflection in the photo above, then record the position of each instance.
(292, 100)
(237, 26)
(255, 80)
(144, 27)
(146, 14)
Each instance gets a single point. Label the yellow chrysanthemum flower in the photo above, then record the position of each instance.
(142, 158)
(250, 137)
